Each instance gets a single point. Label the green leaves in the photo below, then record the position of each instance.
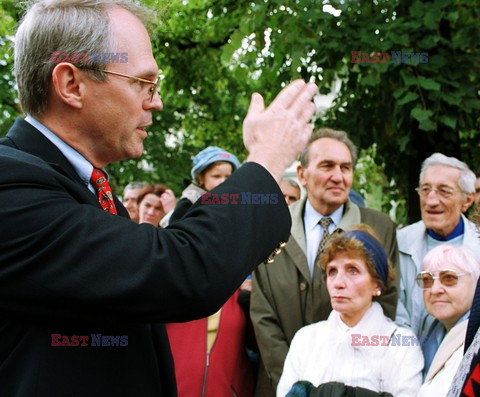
(424, 118)
(429, 84)
(411, 96)
(449, 121)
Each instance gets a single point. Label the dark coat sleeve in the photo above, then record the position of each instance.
(63, 257)
(180, 210)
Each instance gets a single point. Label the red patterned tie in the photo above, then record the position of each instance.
(104, 192)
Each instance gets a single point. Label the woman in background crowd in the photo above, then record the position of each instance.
(354, 348)
(154, 201)
(448, 278)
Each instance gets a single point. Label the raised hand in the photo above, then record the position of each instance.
(274, 136)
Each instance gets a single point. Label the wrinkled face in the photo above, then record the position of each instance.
(448, 304)
(130, 198)
(214, 175)
(350, 286)
(151, 209)
(328, 176)
(442, 214)
(290, 193)
(117, 110)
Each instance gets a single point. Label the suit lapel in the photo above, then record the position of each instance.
(297, 245)
(351, 216)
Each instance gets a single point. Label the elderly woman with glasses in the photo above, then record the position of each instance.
(448, 278)
(357, 350)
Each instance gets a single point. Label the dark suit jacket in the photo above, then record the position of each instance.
(69, 268)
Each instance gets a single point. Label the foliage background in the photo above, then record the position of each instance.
(213, 54)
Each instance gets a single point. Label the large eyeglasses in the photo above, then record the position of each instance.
(151, 90)
(444, 192)
(448, 278)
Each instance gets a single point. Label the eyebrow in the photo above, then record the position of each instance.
(148, 74)
(328, 162)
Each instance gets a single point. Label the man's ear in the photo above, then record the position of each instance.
(468, 201)
(68, 84)
(300, 175)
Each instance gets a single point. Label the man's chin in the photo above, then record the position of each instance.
(135, 151)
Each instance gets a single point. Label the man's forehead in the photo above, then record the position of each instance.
(331, 150)
(130, 35)
(441, 174)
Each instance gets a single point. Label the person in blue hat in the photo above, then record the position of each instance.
(211, 167)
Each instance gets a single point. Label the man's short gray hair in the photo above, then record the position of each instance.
(134, 185)
(467, 178)
(66, 26)
(338, 135)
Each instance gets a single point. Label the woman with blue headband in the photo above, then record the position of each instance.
(358, 347)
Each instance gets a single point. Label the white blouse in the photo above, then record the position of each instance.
(326, 352)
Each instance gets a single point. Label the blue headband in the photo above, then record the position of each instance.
(374, 250)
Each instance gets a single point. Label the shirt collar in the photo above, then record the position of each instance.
(458, 231)
(79, 163)
(312, 216)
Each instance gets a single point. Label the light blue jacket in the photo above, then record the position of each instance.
(412, 247)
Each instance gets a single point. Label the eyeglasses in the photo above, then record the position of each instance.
(151, 90)
(443, 192)
(448, 278)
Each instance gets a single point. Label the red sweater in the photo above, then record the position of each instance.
(225, 371)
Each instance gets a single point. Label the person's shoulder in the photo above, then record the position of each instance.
(469, 224)
(181, 208)
(370, 215)
(19, 162)
(312, 329)
(412, 229)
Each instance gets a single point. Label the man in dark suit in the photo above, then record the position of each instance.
(84, 292)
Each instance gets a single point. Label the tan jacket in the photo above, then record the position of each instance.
(284, 298)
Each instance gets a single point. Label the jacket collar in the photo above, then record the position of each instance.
(26, 138)
(413, 241)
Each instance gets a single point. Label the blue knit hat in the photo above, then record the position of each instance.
(210, 155)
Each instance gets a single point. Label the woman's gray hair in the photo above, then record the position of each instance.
(467, 178)
(64, 26)
(338, 135)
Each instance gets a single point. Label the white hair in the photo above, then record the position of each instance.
(467, 178)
